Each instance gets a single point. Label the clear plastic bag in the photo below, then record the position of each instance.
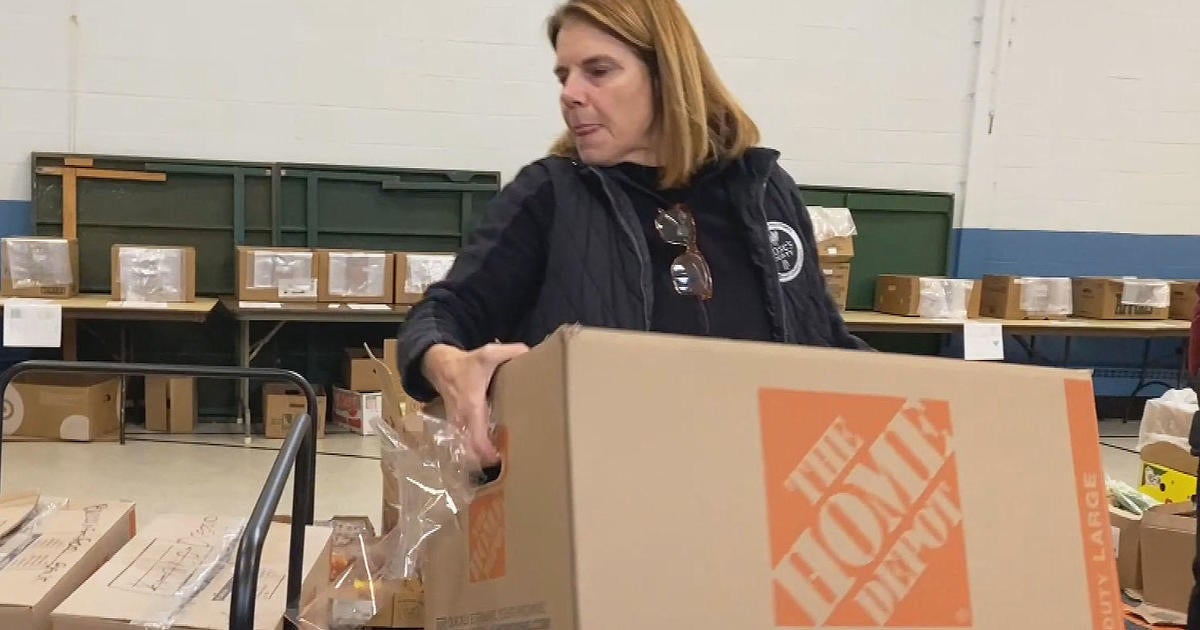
(1046, 296)
(38, 262)
(831, 223)
(151, 274)
(357, 274)
(1126, 497)
(1146, 293)
(202, 565)
(27, 533)
(285, 271)
(424, 270)
(945, 298)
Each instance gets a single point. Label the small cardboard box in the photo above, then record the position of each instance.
(276, 274)
(416, 271)
(1168, 550)
(1104, 298)
(1184, 300)
(62, 549)
(358, 277)
(39, 267)
(837, 280)
(862, 502)
(836, 249)
(906, 296)
(283, 403)
(77, 408)
(358, 371)
(357, 411)
(144, 273)
(1012, 297)
(1168, 473)
(898, 295)
(171, 404)
(182, 554)
(1126, 530)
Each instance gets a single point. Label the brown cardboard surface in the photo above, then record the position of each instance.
(1127, 543)
(1184, 299)
(357, 411)
(1168, 547)
(1100, 298)
(245, 269)
(14, 509)
(325, 291)
(837, 281)
(819, 471)
(48, 291)
(171, 404)
(283, 403)
(358, 371)
(403, 295)
(62, 407)
(1001, 298)
(898, 295)
(71, 543)
(1171, 456)
(139, 582)
(187, 281)
(836, 249)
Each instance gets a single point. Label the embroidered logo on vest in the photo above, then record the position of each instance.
(789, 253)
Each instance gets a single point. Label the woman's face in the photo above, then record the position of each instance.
(607, 96)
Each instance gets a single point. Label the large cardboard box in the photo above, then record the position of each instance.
(171, 404)
(837, 281)
(1012, 297)
(283, 403)
(358, 370)
(358, 277)
(143, 273)
(836, 249)
(1168, 473)
(1184, 300)
(1111, 298)
(183, 554)
(276, 274)
(39, 267)
(51, 552)
(357, 411)
(78, 408)
(917, 296)
(1126, 531)
(788, 488)
(1168, 549)
(416, 271)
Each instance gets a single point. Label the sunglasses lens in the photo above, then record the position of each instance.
(691, 276)
(675, 226)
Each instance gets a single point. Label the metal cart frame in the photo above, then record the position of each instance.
(299, 451)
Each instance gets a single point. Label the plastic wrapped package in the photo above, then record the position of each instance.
(424, 270)
(357, 274)
(1046, 296)
(151, 274)
(28, 531)
(289, 272)
(38, 262)
(1168, 419)
(1147, 293)
(1126, 497)
(831, 223)
(203, 564)
(945, 298)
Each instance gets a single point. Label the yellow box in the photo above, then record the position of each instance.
(1167, 484)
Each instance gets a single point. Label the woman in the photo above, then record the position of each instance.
(654, 212)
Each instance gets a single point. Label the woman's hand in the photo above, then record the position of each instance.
(462, 379)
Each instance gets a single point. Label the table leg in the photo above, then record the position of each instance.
(124, 341)
(244, 384)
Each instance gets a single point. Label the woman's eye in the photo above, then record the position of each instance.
(599, 72)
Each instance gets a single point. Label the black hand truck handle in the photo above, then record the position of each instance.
(298, 451)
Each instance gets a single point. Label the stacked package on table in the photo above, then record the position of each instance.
(1184, 299)
(417, 271)
(834, 231)
(1121, 298)
(39, 267)
(1026, 297)
(142, 273)
(356, 277)
(932, 297)
(49, 547)
(276, 274)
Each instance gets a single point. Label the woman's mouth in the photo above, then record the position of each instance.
(581, 131)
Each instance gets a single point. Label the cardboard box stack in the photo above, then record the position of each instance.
(283, 403)
(916, 296)
(1125, 298)
(276, 274)
(416, 271)
(1184, 299)
(178, 571)
(1013, 297)
(142, 273)
(49, 547)
(171, 404)
(902, 472)
(78, 408)
(39, 267)
(834, 230)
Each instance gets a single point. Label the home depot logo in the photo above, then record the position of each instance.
(486, 532)
(865, 517)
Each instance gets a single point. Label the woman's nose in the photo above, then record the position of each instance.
(572, 92)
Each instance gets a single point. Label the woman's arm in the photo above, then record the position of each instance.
(492, 284)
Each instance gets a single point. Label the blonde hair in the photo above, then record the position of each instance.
(698, 118)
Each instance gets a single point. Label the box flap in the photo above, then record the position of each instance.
(1170, 456)
(14, 509)
(1171, 517)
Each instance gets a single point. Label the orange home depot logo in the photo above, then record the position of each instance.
(866, 523)
(487, 538)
